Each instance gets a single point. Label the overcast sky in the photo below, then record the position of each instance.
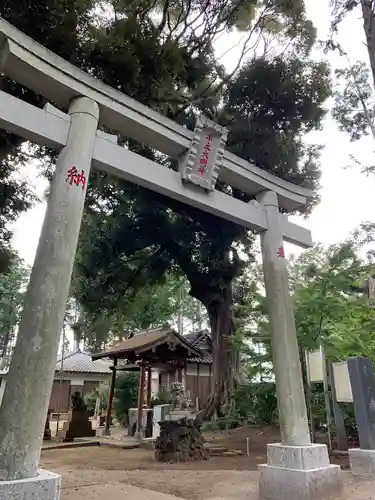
(347, 195)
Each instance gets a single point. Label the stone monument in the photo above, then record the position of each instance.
(362, 460)
(47, 428)
(78, 424)
(295, 465)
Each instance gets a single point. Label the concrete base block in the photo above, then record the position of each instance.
(299, 473)
(139, 436)
(46, 486)
(362, 462)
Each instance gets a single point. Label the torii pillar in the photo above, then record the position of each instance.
(296, 469)
(27, 393)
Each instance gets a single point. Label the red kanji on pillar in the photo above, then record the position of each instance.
(76, 178)
(280, 252)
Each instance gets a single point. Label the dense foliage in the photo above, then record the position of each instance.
(162, 53)
(331, 305)
(12, 288)
(355, 81)
(126, 395)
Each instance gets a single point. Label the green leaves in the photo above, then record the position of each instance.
(354, 108)
(12, 289)
(269, 106)
(327, 309)
(161, 53)
(331, 306)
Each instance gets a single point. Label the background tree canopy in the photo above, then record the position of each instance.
(331, 306)
(162, 54)
(12, 288)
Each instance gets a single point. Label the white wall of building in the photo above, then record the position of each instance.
(75, 380)
(2, 388)
(191, 369)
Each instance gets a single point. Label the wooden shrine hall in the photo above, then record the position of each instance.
(157, 348)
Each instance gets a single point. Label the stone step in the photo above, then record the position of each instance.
(232, 453)
(215, 448)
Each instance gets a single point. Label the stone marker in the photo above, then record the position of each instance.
(338, 415)
(78, 424)
(362, 460)
(47, 428)
(295, 469)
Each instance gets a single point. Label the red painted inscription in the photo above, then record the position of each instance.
(75, 178)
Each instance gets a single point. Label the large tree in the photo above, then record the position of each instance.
(354, 108)
(268, 107)
(101, 322)
(57, 24)
(161, 53)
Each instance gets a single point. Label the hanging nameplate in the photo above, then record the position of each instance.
(201, 165)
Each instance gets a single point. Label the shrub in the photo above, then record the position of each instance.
(126, 396)
(163, 397)
(100, 392)
(257, 403)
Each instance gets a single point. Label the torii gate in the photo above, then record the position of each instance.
(296, 468)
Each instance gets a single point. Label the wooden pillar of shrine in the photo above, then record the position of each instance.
(179, 372)
(110, 398)
(149, 380)
(141, 399)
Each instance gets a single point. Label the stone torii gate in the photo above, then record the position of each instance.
(295, 469)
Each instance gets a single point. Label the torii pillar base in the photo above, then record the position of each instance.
(45, 486)
(299, 473)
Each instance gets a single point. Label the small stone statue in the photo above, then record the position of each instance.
(179, 399)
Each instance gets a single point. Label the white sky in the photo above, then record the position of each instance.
(347, 195)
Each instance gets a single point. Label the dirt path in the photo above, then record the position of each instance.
(98, 474)
(189, 485)
(110, 473)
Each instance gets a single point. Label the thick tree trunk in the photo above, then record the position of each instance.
(369, 28)
(224, 370)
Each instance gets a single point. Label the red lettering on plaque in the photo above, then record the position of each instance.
(205, 155)
(76, 178)
(280, 252)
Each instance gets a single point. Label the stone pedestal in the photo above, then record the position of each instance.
(179, 441)
(362, 462)
(299, 473)
(45, 486)
(160, 413)
(146, 423)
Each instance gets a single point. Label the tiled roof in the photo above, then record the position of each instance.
(147, 340)
(206, 359)
(81, 362)
(202, 341)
